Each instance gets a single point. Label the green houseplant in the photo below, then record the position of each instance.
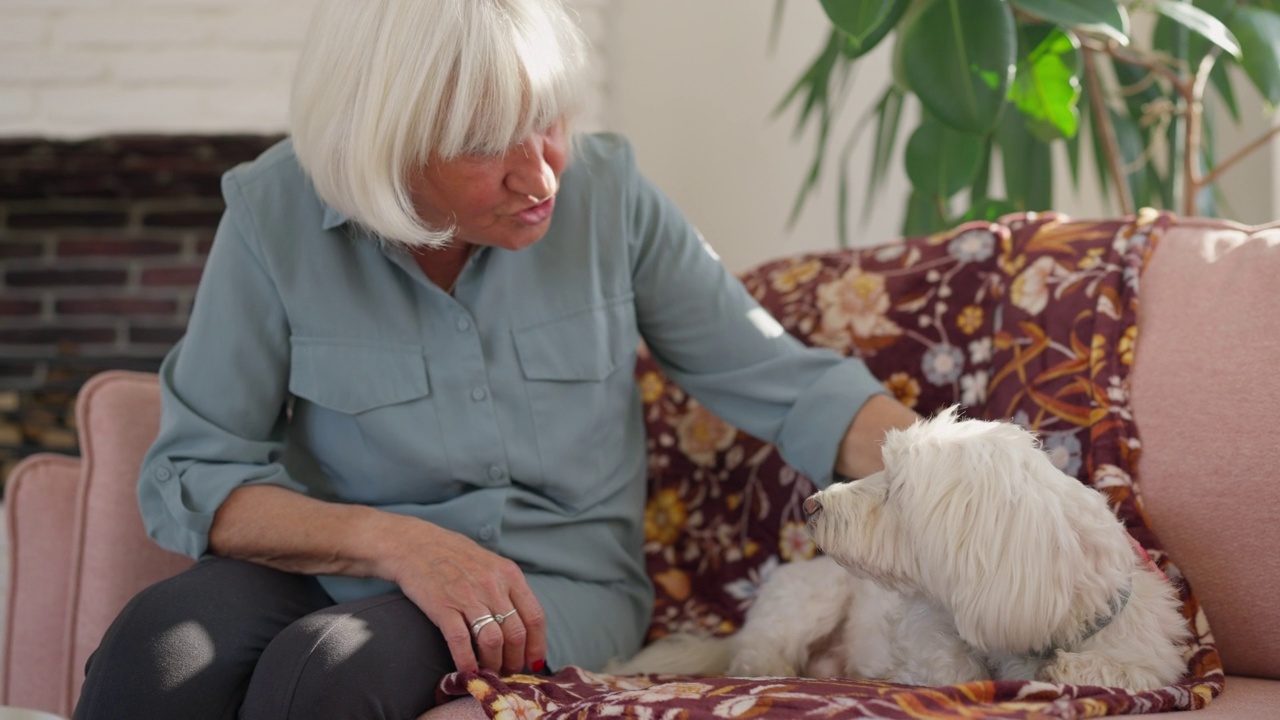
(999, 82)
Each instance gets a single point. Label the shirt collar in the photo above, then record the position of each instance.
(332, 218)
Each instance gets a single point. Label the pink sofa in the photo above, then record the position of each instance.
(1206, 395)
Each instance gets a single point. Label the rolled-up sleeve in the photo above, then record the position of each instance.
(223, 392)
(713, 339)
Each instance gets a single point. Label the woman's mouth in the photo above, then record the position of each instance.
(538, 213)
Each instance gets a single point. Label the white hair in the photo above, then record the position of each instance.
(384, 85)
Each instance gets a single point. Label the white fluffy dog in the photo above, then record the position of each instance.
(969, 557)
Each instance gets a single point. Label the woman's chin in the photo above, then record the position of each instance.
(521, 238)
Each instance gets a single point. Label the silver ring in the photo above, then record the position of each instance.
(480, 622)
(499, 618)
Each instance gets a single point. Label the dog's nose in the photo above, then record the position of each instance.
(811, 506)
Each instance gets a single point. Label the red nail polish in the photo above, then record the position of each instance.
(538, 665)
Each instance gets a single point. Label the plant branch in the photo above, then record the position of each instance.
(1239, 155)
(1195, 122)
(1110, 145)
(1180, 84)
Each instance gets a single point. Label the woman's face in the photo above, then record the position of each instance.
(502, 201)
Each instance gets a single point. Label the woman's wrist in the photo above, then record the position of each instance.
(859, 453)
(389, 541)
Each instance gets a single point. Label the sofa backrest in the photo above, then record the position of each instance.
(1206, 396)
(1030, 318)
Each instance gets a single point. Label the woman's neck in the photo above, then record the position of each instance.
(442, 266)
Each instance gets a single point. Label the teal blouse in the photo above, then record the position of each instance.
(321, 359)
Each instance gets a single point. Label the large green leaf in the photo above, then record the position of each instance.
(1136, 88)
(980, 186)
(888, 116)
(1097, 17)
(1175, 39)
(1098, 144)
(958, 56)
(1132, 151)
(1220, 76)
(990, 209)
(1073, 159)
(924, 215)
(1047, 89)
(1028, 166)
(942, 161)
(1259, 33)
(1200, 22)
(866, 22)
(1139, 92)
(1221, 79)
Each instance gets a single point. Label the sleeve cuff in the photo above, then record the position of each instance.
(812, 431)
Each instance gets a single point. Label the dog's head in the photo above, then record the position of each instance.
(974, 515)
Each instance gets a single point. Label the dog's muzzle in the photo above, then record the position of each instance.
(811, 507)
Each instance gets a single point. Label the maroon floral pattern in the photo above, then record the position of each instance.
(1032, 318)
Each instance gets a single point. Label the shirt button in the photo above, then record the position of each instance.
(163, 474)
(486, 532)
(495, 472)
(478, 394)
(463, 324)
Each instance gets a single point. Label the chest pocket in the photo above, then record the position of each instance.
(366, 414)
(578, 378)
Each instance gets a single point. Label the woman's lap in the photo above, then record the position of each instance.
(226, 632)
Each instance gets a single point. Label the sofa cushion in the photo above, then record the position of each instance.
(1243, 698)
(1206, 396)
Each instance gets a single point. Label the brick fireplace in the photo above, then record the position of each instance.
(101, 245)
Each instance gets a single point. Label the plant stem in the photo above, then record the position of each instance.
(1239, 155)
(1195, 121)
(1179, 83)
(1110, 145)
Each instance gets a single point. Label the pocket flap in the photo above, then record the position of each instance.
(353, 377)
(584, 346)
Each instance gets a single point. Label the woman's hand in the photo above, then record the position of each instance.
(452, 579)
(457, 584)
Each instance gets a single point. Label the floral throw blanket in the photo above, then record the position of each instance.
(1032, 318)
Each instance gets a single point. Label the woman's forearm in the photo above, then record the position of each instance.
(289, 531)
(859, 454)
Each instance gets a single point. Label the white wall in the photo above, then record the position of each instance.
(693, 86)
(74, 68)
(691, 82)
(77, 68)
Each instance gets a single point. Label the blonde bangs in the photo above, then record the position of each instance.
(517, 72)
(384, 85)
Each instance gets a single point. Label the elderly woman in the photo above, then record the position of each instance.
(402, 431)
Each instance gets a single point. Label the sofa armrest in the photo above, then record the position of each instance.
(40, 500)
(118, 416)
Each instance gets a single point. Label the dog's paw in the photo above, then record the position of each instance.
(1069, 668)
(753, 663)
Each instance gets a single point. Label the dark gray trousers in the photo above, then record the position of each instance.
(231, 639)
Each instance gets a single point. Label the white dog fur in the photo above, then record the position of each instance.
(969, 557)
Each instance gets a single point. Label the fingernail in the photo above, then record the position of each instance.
(538, 665)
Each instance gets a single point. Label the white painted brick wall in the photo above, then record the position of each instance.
(80, 68)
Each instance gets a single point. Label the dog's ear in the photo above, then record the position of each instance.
(997, 530)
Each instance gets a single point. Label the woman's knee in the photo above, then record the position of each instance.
(193, 637)
(374, 658)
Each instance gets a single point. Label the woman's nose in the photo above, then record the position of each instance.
(530, 173)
